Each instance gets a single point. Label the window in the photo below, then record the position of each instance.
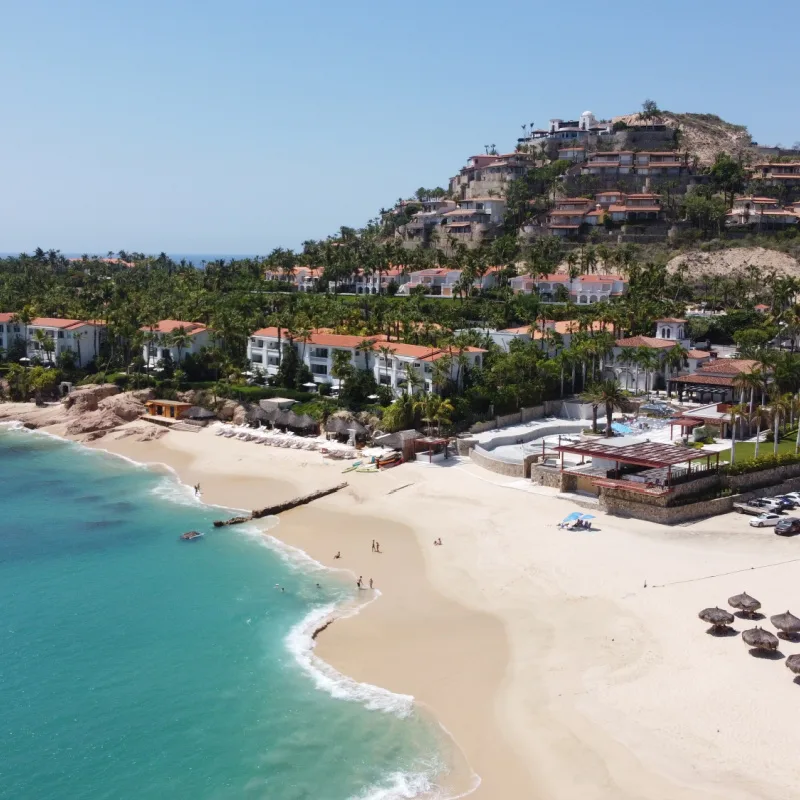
(272, 346)
(60, 334)
(252, 340)
(319, 352)
(259, 342)
(319, 369)
(257, 358)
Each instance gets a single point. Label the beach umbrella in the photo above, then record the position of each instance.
(760, 639)
(744, 602)
(793, 662)
(304, 421)
(198, 412)
(788, 623)
(718, 617)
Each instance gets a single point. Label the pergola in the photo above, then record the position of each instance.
(704, 384)
(651, 455)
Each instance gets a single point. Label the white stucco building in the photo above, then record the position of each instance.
(391, 362)
(80, 337)
(582, 290)
(160, 340)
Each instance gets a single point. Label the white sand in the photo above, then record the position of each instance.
(557, 672)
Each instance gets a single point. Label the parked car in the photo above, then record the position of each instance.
(767, 520)
(769, 504)
(786, 502)
(793, 496)
(788, 526)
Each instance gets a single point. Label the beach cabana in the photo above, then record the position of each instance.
(759, 639)
(198, 414)
(166, 409)
(344, 428)
(746, 604)
(787, 623)
(717, 617)
(793, 663)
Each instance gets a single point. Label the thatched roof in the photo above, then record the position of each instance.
(716, 616)
(304, 421)
(760, 639)
(744, 602)
(788, 622)
(395, 440)
(198, 412)
(342, 425)
(793, 662)
(256, 414)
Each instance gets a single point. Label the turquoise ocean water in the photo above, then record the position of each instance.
(133, 665)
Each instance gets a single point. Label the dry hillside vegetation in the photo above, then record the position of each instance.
(736, 259)
(703, 135)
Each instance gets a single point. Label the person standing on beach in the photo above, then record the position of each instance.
(359, 582)
(370, 583)
(377, 547)
(373, 545)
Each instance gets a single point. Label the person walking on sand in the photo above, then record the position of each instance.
(370, 583)
(377, 547)
(373, 545)
(197, 490)
(360, 582)
(338, 554)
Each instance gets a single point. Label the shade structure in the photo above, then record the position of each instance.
(760, 639)
(343, 426)
(788, 622)
(793, 662)
(718, 617)
(303, 421)
(197, 412)
(744, 602)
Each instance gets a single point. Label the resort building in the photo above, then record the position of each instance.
(572, 213)
(173, 339)
(400, 366)
(378, 283)
(666, 163)
(488, 175)
(637, 373)
(559, 288)
(47, 338)
(760, 213)
(713, 380)
(554, 335)
(302, 279)
(571, 130)
(778, 174)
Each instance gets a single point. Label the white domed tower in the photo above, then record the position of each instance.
(587, 120)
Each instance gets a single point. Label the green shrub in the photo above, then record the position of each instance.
(761, 463)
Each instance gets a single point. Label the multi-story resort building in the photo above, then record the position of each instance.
(778, 174)
(571, 213)
(469, 222)
(161, 341)
(582, 290)
(303, 279)
(47, 338)
(485, 176)
(666, 163)
(761, 213)
(397, 365)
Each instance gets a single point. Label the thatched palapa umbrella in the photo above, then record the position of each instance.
(793, 662)
(760, 639)
(788, 623)
(745, 603)
(718, 617)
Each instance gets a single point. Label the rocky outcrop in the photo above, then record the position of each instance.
(125, 406)
(87, 398)
(94, 421)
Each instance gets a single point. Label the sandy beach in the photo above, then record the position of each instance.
(564, 665)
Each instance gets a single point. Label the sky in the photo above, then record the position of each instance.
(199, 126)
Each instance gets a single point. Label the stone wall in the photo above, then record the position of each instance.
(483, 458)
(517, 418)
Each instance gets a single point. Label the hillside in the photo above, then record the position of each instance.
(703, 135)
(736, 259)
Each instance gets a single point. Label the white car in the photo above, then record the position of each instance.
(793, 496)
(769, 520)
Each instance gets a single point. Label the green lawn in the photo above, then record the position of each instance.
(746, 450)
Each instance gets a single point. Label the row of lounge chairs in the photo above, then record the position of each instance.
(285, 440)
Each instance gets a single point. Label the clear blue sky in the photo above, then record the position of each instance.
(200, 126)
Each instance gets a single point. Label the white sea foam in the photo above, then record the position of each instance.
(399, 785)
(300, 644)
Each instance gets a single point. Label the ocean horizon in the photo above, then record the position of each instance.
(194, 258)
(135, 665)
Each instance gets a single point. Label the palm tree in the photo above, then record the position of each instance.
(612, 398)
(593, 395)
(40, 338)
(77, 339)
(735, 412)
(180, 339)
(386, 352)
(342, 366)
(365, 347)
(411, 377)
(674, 359)
(780, 407)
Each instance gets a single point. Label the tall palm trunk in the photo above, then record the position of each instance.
(775, 437)
(758, 435)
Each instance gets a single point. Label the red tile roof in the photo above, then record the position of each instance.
(6, 317)
(172, 325)
(670, 319)
(698, 354)
(645, 341)
(729, 366)
(55, 322)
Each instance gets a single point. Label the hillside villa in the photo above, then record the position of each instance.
(582, 290)
(761, 213)
(394, 364)
(46, 338)
(778, 174)
(662, 163)
(160, 341)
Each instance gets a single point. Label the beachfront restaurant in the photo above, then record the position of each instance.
(166, 409)
(634, 464)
